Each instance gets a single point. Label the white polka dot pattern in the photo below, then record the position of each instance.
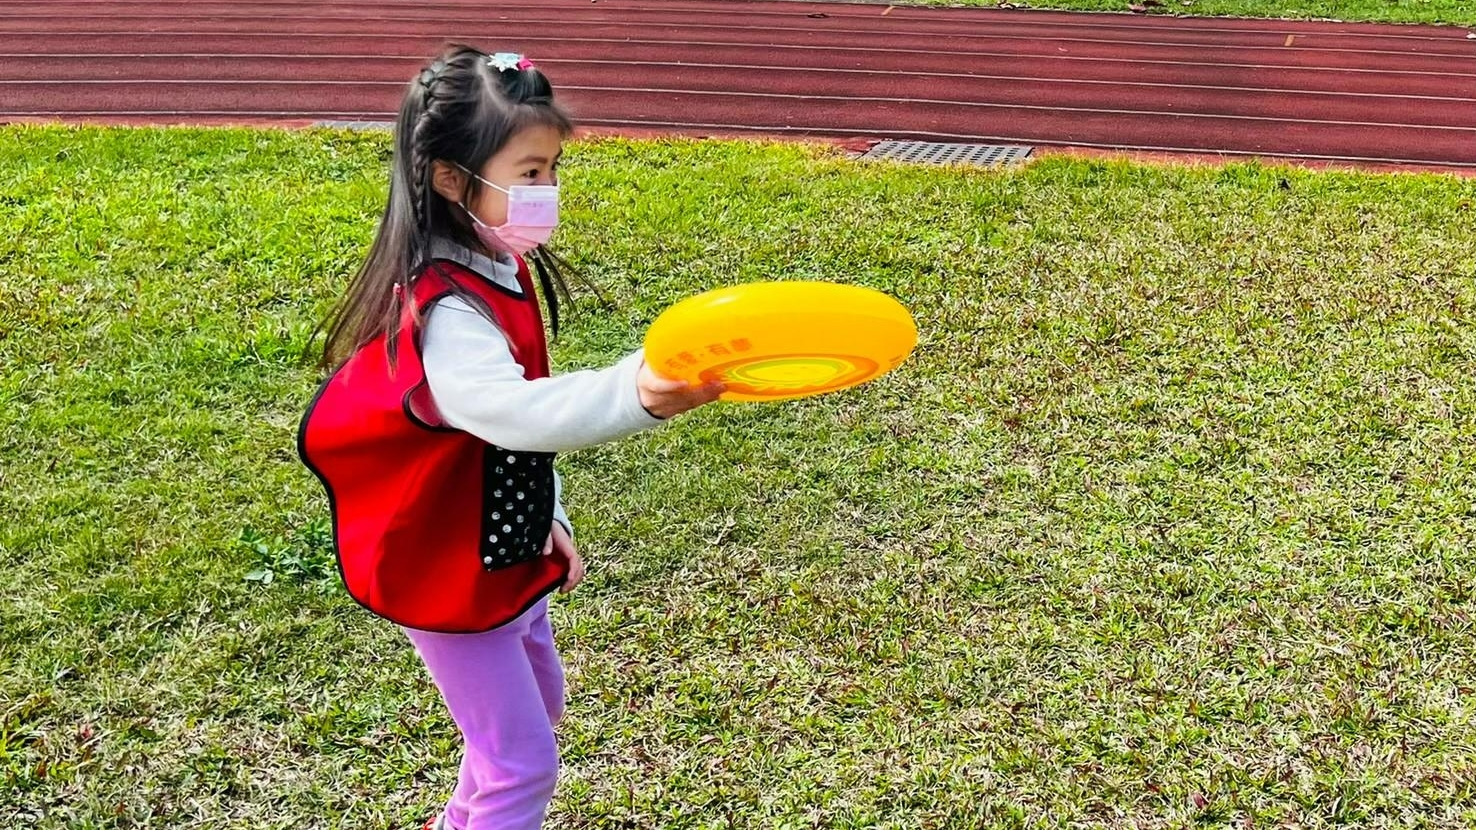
(517, 506)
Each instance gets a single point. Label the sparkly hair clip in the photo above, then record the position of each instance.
(503, 61)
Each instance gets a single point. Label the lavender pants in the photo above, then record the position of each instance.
(505, 690)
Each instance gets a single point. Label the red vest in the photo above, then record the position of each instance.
(434, 528)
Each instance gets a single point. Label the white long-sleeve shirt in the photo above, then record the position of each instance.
(478, 386)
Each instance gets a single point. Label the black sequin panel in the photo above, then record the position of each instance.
(517, 506)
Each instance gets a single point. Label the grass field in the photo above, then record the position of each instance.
(1458, 12)
(1168, 522)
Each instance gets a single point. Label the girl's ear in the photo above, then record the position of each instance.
(448, 180)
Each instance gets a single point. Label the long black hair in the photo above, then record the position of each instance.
(460, 109)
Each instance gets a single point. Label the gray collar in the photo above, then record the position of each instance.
(502, 272)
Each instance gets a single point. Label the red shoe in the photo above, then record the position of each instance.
(435, 823)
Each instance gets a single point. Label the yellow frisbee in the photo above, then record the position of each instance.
(774, 341)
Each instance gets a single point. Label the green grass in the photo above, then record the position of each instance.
(1460, 12)
(1168, 523)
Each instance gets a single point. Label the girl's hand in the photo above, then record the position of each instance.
(558, 540)
(665, 398)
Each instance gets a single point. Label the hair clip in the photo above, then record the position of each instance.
(503, 61)
(429, 74)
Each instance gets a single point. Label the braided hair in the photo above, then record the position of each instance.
(461, 108)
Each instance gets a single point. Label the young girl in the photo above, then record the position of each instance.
(436, 433)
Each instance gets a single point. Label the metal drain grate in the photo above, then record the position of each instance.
(930, 152)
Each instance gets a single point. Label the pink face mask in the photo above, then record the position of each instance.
(532, 215)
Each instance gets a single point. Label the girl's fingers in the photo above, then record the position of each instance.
(576, 574)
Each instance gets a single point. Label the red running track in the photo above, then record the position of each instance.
(1314, 92)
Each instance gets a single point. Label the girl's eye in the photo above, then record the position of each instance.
(531, 174)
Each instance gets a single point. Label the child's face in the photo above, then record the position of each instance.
(531, 156)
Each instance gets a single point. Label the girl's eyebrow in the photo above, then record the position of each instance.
(539, 159)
